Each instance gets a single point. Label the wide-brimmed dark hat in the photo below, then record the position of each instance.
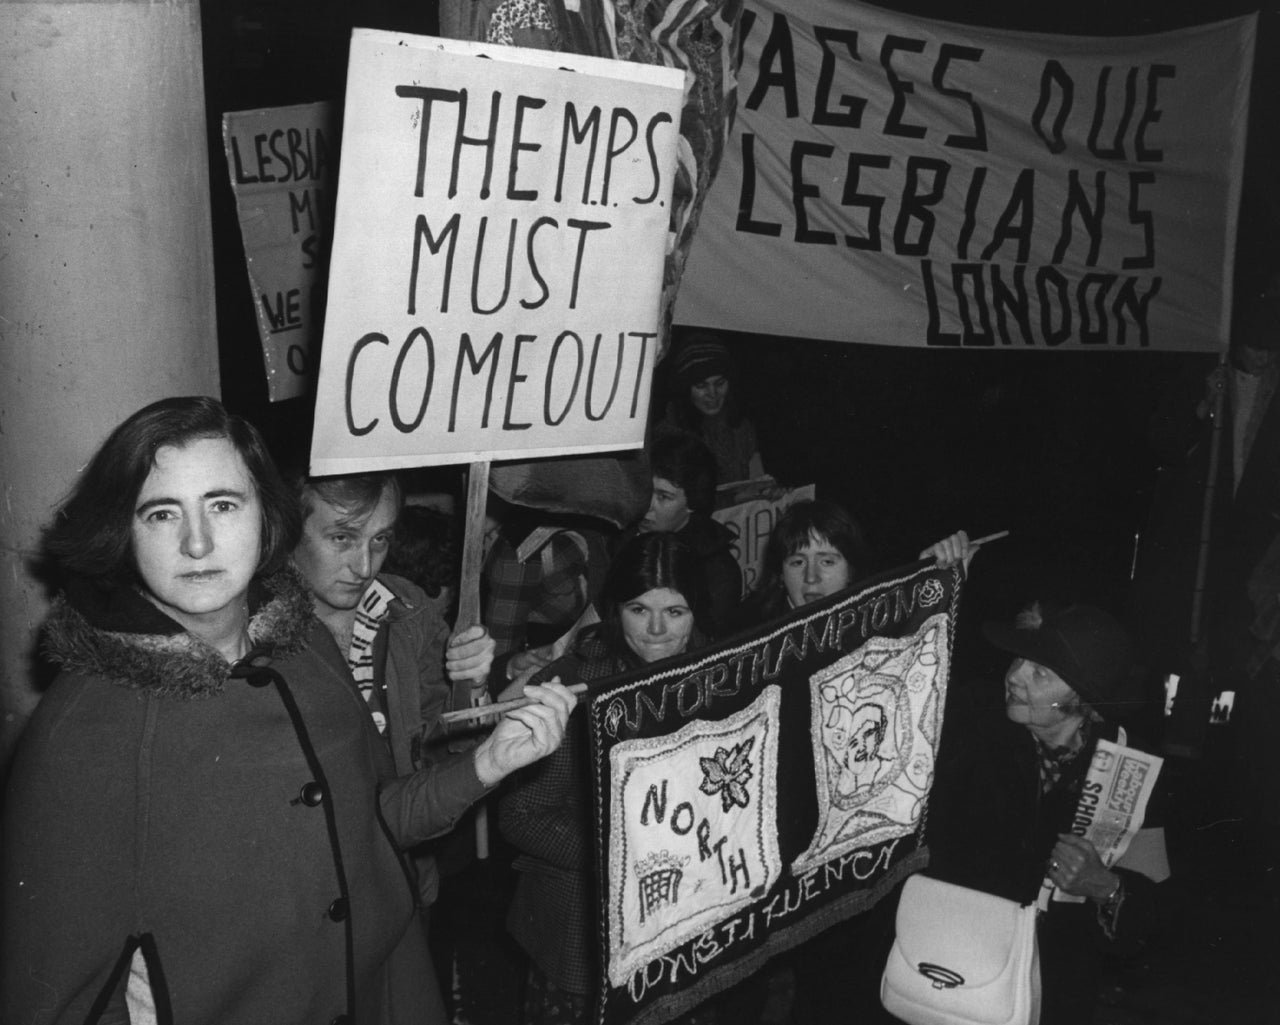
(1084, 645)
(702, 356)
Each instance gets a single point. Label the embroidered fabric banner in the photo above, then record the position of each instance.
(751, 795)
(905, 181)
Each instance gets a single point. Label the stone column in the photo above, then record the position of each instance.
(106, 263)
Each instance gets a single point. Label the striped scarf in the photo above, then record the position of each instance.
(372, 610)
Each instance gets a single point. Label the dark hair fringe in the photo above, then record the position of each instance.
(356, 494)
(684, 459)
(650, 561)
(91, 534)
(813, 518)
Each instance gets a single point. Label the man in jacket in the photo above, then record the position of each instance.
(404, 662)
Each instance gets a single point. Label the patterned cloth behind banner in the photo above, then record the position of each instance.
(752, 795)
(698, 37)
(613, 487)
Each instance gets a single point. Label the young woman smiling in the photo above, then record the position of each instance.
(653, 610)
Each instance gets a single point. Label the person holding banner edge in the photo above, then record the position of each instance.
(653, 608)
(1007, 791)
(202, 824)
(816, 549)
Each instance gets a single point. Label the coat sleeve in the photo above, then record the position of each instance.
(509, 586)
(436, 692)
(67, 880)
(1143, 911)
(430, 801)
(545, 812)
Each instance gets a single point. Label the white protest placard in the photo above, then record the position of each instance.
(498, 250)
(282, 162)
(898, 180)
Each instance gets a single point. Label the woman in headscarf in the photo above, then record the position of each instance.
(706, 400)
(653, 609)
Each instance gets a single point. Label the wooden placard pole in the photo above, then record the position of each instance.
(473, 545)
(469, 593)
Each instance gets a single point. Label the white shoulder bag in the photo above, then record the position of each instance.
(962, 957)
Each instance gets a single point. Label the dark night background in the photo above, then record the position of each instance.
(1096, 462)
(1067, 451)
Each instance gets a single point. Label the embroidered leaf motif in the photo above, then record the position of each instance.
(727, 774)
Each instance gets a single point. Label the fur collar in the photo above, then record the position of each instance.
(123, 637)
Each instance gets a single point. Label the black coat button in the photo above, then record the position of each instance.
(338, 909)
(259, 678)
(311, 794)
(341, 1019)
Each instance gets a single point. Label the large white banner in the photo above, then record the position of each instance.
(904, 181)
(498, 248)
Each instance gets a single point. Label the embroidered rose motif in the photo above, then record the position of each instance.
(613, 717)
(727, 774)
(931, 593)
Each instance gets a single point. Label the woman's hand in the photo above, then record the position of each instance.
(1076, 869)
(526, 734)
(469, 655)
(950, 550)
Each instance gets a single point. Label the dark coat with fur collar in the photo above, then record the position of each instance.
(155, 797)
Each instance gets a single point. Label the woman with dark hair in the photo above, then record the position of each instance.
(816, 549)
(202, 824)
(652, 610)
(92, 536)
(683, 497)
(705, 400)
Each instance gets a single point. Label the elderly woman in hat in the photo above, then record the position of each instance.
(705, 401)
(1008, 787)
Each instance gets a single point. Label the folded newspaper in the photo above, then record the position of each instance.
(1113, 805)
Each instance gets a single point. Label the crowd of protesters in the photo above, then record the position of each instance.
(230, 805)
